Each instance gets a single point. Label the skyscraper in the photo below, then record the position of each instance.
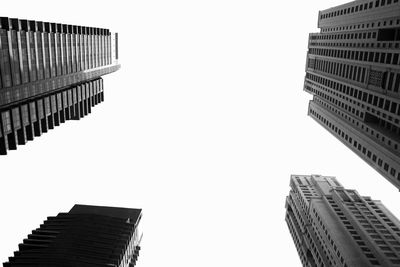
(353, 73)
(334, 226)
(86, 236)
(49, 73)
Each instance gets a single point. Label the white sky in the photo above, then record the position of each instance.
(201, 128)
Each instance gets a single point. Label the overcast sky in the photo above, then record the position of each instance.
(201, 128)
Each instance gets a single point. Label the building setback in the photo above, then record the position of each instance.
(334, 226)
(353, 73)
(49, 73)
(86, 236)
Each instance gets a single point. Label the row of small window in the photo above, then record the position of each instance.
(340, 94)
(297, 241)
(301, 201)
(328, 253)
(335, 102)
(373, 219)
(300, 210)
(30, 58)
(358, 8)
(374, 232)
(361, 44)
(387, 221)
(345, 36)
(348, 195)
(381, 237)
(346, 71)
(357, 146)
(303, 181)
(317, 257)
(298, 180)
(346, 223)
(382, 123)
(352, 231)
(394, 144)
(307, 191)
(364, 56)
(390, 223)
(294, 235)
(360, 94)
(371, 118)
(377, 24)
(31, 25)
(297, 219)
(18, 93)
(327, 234)
(326, 94)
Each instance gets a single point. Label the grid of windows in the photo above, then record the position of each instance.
(55, 66)
(356, 8)
(353, 73)
(334, 226)
(21, 124)
(356, 100)
(85, 236)
(377, 24)
(48, 56)
(349, 137)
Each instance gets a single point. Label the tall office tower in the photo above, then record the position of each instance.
(86, 236)
(353, 73)
(49, 73)
(334, 226)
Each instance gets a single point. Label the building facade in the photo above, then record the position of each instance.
(353, 73)
(334, 226)
(49, 73)
(85, 236)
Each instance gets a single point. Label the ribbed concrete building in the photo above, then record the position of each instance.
(49, 73)
(87, 236)
(353, 73)
(334, 226)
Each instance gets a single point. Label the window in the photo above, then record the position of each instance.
(388, 34)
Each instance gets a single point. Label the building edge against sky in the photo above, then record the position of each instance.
(85, 236)
(353, 73)
(334, 226)
(49, 73)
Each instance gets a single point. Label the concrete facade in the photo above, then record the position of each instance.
(334, 226)
(353, 73)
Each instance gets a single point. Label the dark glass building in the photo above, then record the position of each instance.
(86, 236)
(353, 73)
(334, 226)
(49, 73)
